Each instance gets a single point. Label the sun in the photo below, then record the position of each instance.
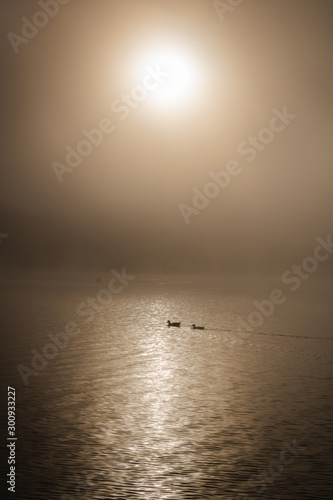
(179, 77)
(177, 84)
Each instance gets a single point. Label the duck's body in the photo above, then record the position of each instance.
(194, 327)
(174, 323)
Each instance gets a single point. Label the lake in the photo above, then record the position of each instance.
(132, 409)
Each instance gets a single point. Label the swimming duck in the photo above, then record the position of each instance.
(194, 327)
(174, 323)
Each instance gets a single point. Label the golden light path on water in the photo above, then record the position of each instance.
(155, 428)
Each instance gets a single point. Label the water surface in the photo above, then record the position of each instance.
(134, 409)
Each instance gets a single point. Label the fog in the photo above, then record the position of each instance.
(124, 203)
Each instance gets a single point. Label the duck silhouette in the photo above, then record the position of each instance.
(174, 323)
(194, 327)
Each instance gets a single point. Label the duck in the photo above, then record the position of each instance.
(194, 327)
(174, 323)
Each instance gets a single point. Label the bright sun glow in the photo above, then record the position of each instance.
(177, 83)
(179, 78)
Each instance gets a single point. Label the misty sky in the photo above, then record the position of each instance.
(120, 206)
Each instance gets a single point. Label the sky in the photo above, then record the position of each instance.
(222, 75)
